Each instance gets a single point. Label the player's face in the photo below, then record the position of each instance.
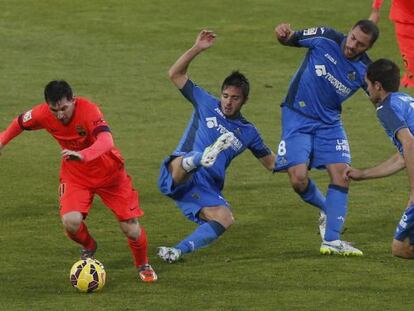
(373, 91)
(357, 42)
(231, 101)
(63, 110)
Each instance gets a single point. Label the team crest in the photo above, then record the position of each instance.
(352, 75)
(80, 130)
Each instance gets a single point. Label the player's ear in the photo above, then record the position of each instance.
(378, 85)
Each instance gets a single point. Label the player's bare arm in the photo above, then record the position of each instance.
(407, 140)
(268, 161)
(389, 167)
(283, 33)
(178, 71)
(374, 16)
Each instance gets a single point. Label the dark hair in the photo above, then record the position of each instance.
(370, 28)
(239, 80)
(57, 90)
(386, 72)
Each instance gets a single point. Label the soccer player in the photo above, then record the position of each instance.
(395, 112)
(312, 132)
(402, 14)
(90, 165)
(193, 176)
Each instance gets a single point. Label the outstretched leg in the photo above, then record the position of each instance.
(218, 220)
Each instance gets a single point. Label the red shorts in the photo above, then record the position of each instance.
(119, 195)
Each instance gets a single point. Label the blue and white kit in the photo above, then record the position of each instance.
(312, 131)
(207, 123)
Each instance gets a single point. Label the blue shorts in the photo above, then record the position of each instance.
(311, 142)
(404, 230)
(191, 196)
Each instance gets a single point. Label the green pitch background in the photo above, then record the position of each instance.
(117, 53)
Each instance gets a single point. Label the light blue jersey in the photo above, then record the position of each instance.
(326, 77)
(396, 112)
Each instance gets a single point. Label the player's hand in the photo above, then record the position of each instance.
(283, 32)
(375, 16)
(70, 155)
(351, 173)
(205, 39)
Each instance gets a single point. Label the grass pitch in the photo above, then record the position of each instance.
(117, 53)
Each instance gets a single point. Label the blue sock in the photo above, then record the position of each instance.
(191, 161)
(201, 237)
(405, 226)
(314, 196)
(336, 208)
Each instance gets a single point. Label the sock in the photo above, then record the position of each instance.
(139, 248)
(313, 196)
(406, 225)
(204, 235)
(82, 237)
(336, 208)
(191, 161)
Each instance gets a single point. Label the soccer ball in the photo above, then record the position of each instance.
(88, 275)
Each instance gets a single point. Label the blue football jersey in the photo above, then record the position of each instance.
(326, 78)
(207, 123)
(395, 113)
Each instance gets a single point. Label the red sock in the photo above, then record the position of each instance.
(139, 249)
(82, 237)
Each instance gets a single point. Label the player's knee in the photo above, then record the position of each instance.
(402, 250)
(221, 214)
(131, 228)
(299, 182)
(72, 221)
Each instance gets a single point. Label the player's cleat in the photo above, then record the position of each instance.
(339, 247)
(322, 225)
(169, 254)
(147, 274)
(211, 152)
(88, 253)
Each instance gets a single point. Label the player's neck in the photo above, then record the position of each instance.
(383, 97)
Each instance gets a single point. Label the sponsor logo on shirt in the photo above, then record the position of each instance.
(341, 89)
(211, 122)
(27, 116)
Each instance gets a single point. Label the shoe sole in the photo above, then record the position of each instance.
(148, 280)
(327, 251)
(213, 151)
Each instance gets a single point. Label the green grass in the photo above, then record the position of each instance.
(118, 53)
